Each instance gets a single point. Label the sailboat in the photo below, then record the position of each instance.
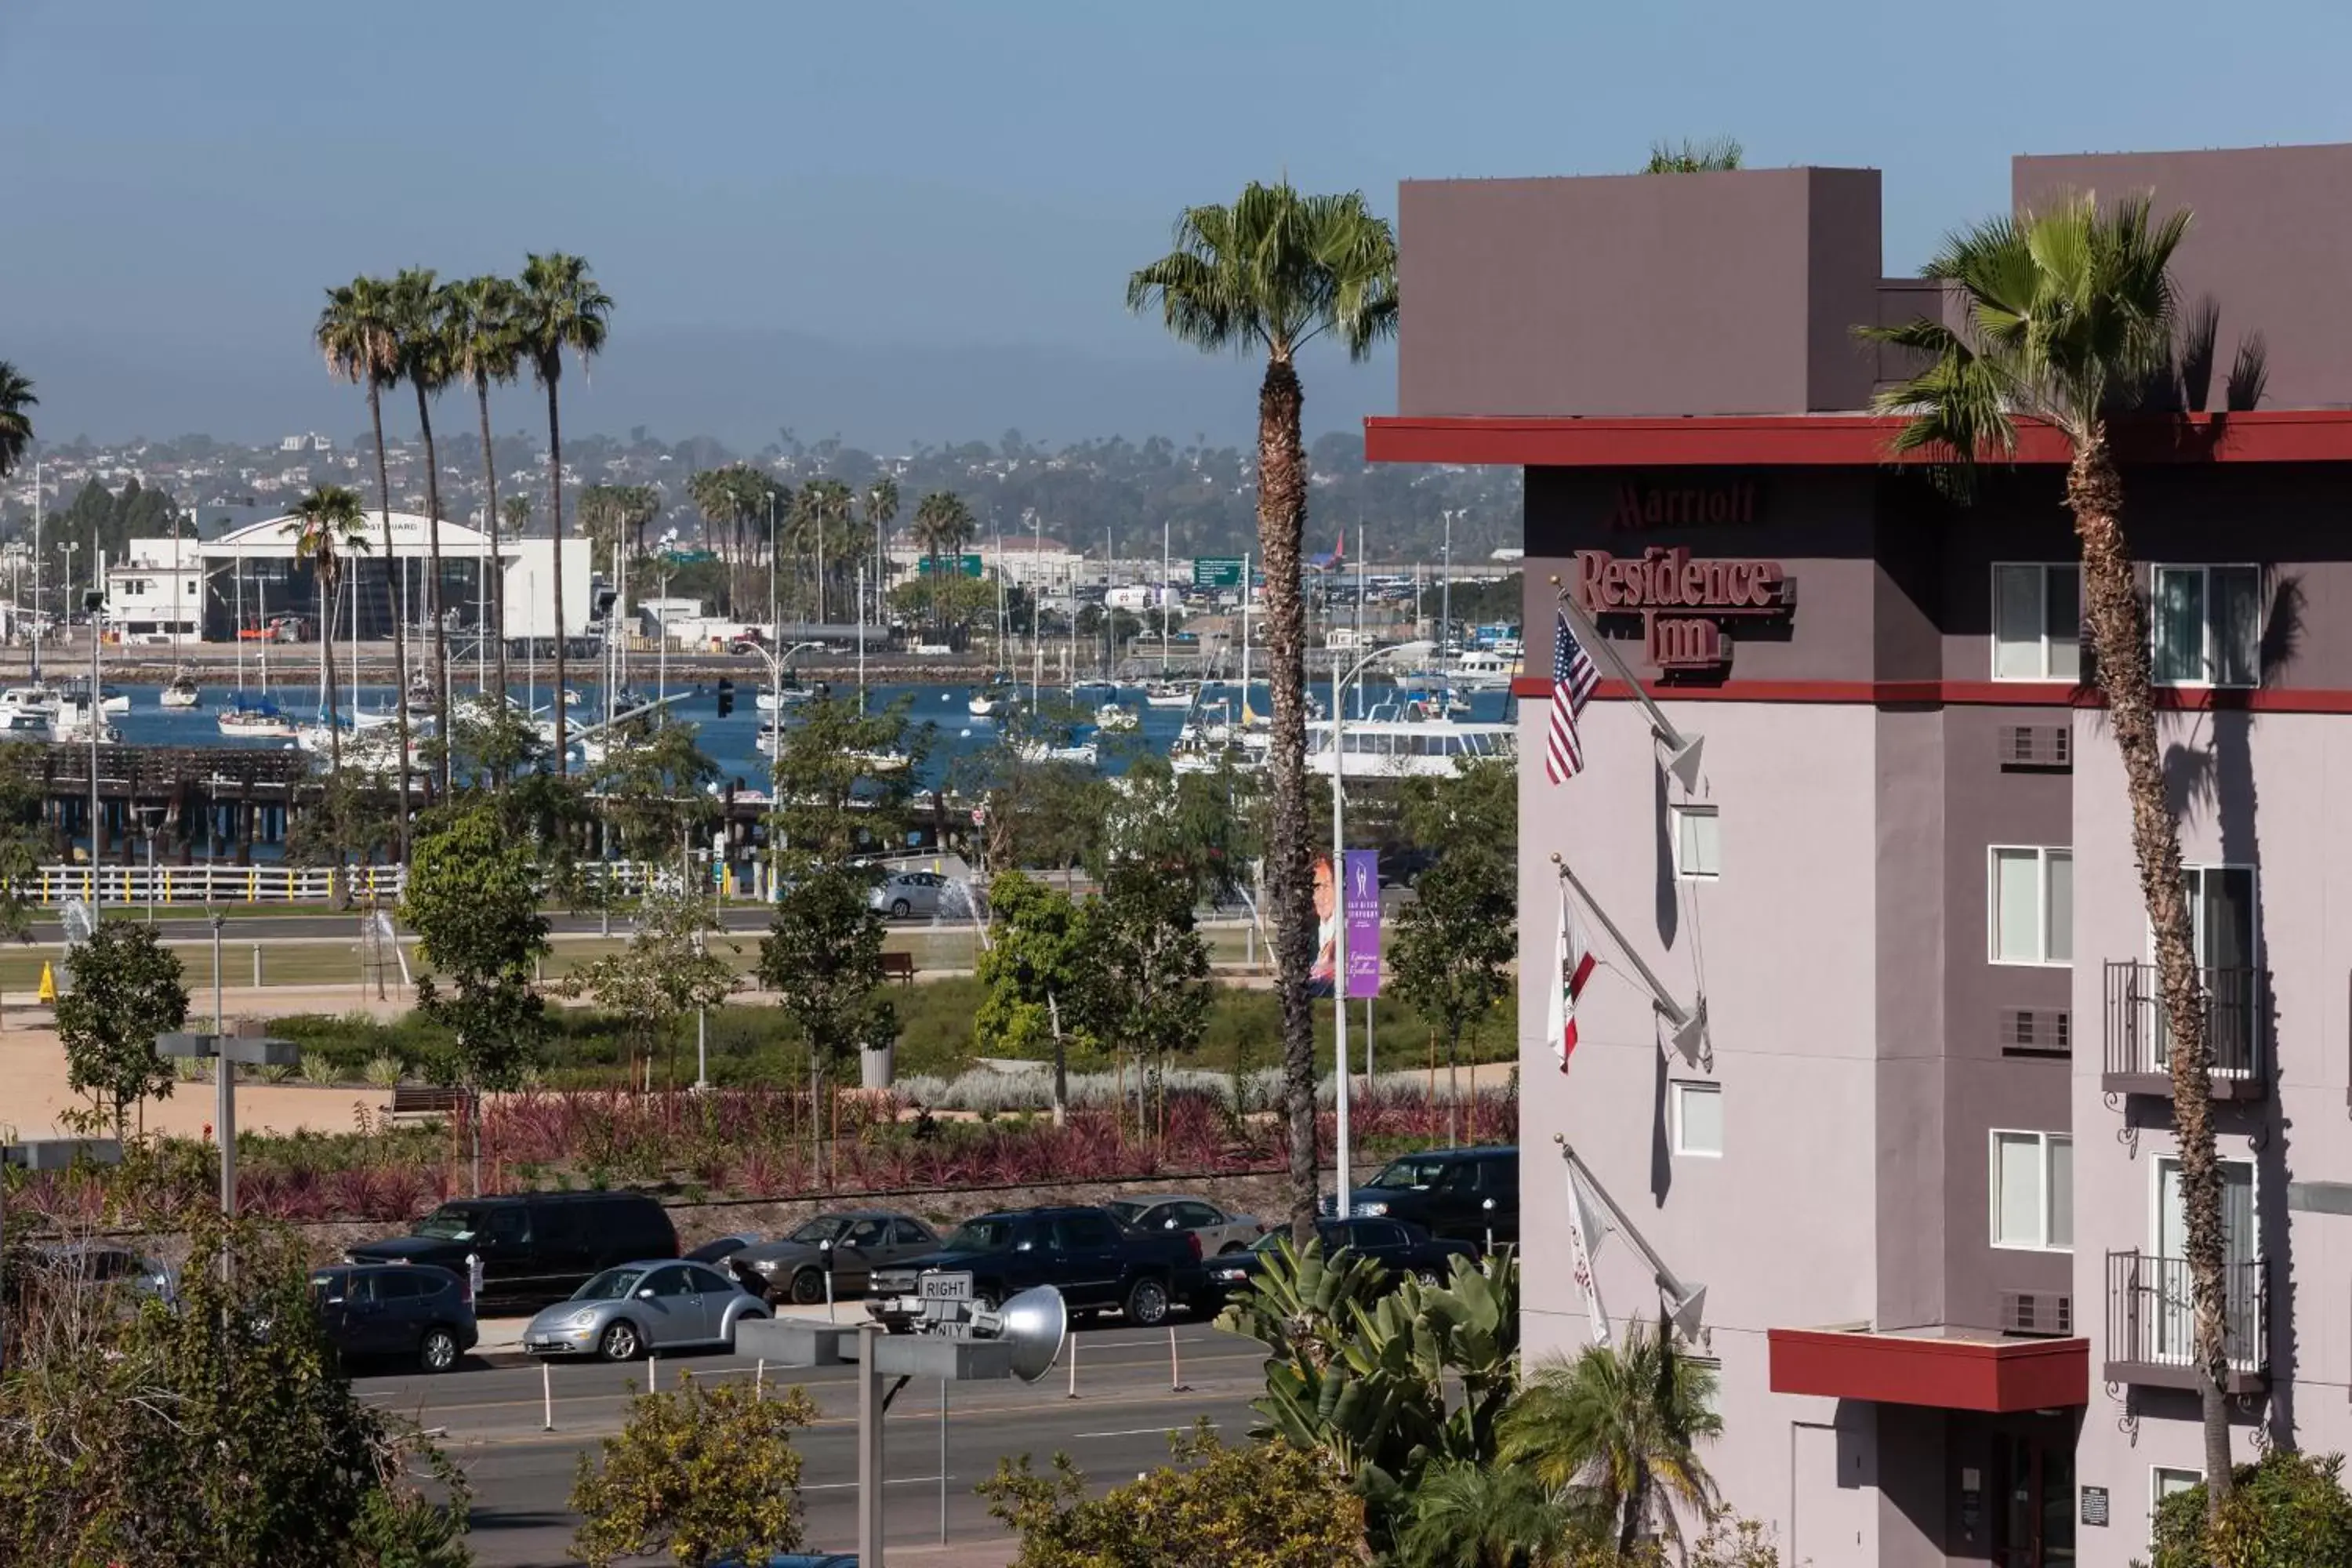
(183, 691)
(254, 719)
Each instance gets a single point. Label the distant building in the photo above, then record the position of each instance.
(310, 441)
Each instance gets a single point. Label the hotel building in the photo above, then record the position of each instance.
(1922, 1154)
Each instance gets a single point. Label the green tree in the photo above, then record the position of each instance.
(703, 1472)
(2067, 316)
(1468, 1515)
(328, 525)
(942, 525)
(665, 972)
(22, 804)
(2290, 1510)
(16, 423)
(652, 791)
(125, 989)
(738, 503)
(428, 362)
(1456, 941)
(222, 1431)
(1150, 966)
(842, 791)
(1271, 273)
(1039, 962)
(613, 517)
(1688, 157)
(559, 308)
(485, 346)
(358, 333)
(1267, 1505)
(472, 898)
(881, 511)
(1624, 1425)
(823, 957)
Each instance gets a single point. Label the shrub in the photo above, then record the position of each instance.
(319, 1067)
(383, 1073)
(2289, 1511)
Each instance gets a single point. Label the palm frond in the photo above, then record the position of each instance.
(1275, 271)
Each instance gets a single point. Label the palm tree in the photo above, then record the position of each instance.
(2070, 316)
(1467, 1515)
(484, 348)
(881, 511)
(1271, 273)
(359, 331)
(822, 514)
(427, 362)
(560, 307)
(1620, 1426)
(329, 524)
(943, 523)
(15, 425)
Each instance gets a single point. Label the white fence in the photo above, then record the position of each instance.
(210, 884)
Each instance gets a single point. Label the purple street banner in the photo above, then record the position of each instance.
(1363, 913)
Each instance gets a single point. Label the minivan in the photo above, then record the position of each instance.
(411, 1311)
(535, 1247)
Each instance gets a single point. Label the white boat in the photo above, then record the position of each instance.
(1170, 693)
(72, 722)
(256, 721)
(1392, 745)
(1481, 671)
(880, 761)
(183, 692)
(1082, 752)
(1112, 718)
(776, 699)
(41, 701)
(24, 726)
(988, 704)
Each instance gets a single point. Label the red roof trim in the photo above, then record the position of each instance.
(1999, 1377)
(1957, 694)
(1839, 440)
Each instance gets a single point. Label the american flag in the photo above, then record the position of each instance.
(1572, 680)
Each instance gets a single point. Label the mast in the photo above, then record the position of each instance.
(861, 640)
(1037, 607)
(1247, 557)
(261, 587)
(236, 569)
(1163, 600)
(36, 570)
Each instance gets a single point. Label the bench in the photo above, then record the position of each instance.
(426, 1099)
(898, 966)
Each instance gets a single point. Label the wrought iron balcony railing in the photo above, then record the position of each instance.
(2152, 1322)
(2138, 1045)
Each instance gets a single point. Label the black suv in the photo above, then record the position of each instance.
(399, 1309)
(1461, 1194)
(535, 1247)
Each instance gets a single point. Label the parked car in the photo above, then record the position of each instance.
(720, 1248)
(1095, 1262)
(408, 1310)
(653, 1304)
(909, 893)
(535, 1247)
(1468, 1194)
(106, 1265)
(1402, 1246)
(1219, 1232)
(848, 1246)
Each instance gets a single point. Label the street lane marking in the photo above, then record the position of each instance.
(1137, 1432)
(886, 1480)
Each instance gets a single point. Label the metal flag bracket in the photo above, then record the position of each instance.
(1688, 1025)
(1684, 1301)
(1682, 751)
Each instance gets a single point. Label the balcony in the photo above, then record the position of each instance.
(2138, 1046)
(2152, 1324)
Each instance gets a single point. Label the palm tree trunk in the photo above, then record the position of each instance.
(1637, 1511)
(555, 532)
(399, 610)
(2119, 636)
(1281, 526)
(334, 734)
(433, 590)
(498, 574)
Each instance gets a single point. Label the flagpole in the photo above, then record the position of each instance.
(1684, 1302)
(1690, 1022)
(1682, 751)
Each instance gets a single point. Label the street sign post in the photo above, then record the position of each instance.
(1217, 572)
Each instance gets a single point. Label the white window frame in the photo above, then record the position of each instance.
(1677, 1089)
(1992, 641)
(2205, 569)
(1678, 814)
(1992, 1187)
(2156, 1474)
(2041, 853)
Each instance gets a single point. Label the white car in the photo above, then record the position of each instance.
(1220, 1232)
(908, 894)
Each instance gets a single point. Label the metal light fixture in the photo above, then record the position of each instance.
(229, 1051)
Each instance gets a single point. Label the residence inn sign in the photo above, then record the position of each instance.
(1685, 608)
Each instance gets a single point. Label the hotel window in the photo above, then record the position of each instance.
(1698, 1119)
(2033, 1191)
(2031, 903)
(2037, 621)
(2205, 626)
(2165, 1480)
(1698, 843)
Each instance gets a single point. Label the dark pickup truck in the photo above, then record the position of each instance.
(1097, 1263)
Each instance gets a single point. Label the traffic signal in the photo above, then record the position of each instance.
(725, 698)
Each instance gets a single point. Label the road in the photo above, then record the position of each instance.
(1117, 1428)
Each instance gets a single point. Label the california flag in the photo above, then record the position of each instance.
(1574, 967)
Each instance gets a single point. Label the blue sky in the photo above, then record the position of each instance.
(983, 175)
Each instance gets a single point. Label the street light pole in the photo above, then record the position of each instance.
(1340, 925)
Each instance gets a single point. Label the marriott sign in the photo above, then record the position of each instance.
(1683, 603)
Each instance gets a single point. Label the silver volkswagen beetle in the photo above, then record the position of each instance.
(661, 1304)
